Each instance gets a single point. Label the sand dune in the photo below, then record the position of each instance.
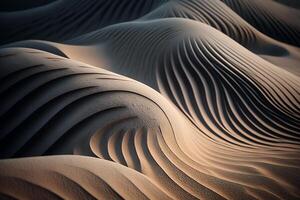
(270, 17)
(73, 177)
(212, 12)
(290, 3)
(15, 5)
(55, 89)
(75, 109)
(63, 19)
(157, 99)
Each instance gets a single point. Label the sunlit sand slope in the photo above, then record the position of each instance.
(54, 106)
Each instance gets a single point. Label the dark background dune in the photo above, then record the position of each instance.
(291, 3)
(17, 5)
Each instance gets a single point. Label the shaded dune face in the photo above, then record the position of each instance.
(158, 99)
(270, 18)
(219, 15)
(65, 19)
(290, 3)
(15, 5)
(207, 75)
(214, 13)
(49, 98)
(83, 113)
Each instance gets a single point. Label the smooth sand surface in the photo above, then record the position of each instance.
(157, 99)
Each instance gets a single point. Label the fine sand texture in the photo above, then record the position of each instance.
(150, 99)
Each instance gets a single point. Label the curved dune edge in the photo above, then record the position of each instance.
(189, 99)
(270, 17)
(77, 110)
(62, 20)
(278, 53)
(184, 64)
(104, 43)
(214, 13)
(73, 177)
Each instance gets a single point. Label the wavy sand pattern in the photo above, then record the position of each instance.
(160, 99)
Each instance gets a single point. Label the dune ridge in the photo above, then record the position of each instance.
(215, 13)
(269, 17)
(61, 20)
(152, 138)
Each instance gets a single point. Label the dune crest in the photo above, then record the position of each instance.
(150, 135)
